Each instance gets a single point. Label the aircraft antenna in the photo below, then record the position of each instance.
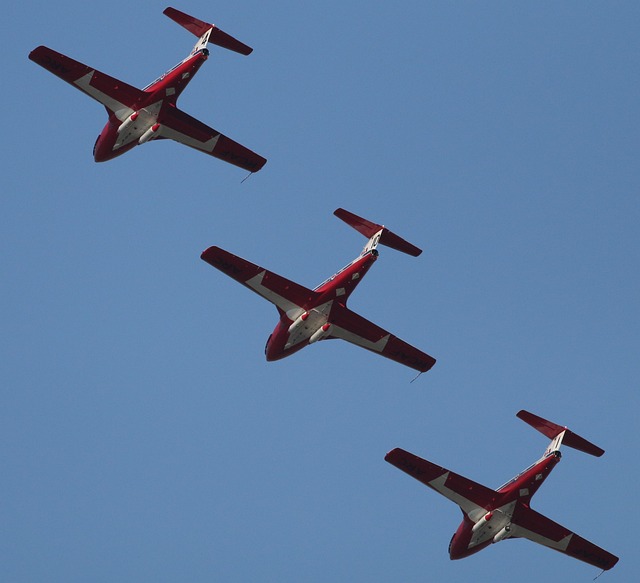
(414, 378)
(247, 176)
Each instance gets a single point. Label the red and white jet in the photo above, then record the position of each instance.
(137, 116)
(307, 316)
(494, 515)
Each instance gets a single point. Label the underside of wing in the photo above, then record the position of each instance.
(542, 530)
(466, 493)
(114, 94)
(353, 328)
(181, 127)
(286, 295)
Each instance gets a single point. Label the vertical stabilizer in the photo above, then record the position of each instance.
(202, 42)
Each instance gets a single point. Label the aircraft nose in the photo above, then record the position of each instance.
(99, 157)
(272, 352)
(454, 552)
(458, 546)
(101, 151)
(95, 149)
(266, 346)
(275, 347)
(457, 550)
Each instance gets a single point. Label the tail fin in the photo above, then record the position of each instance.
(377, 234)
(207, 33)
(559, 434)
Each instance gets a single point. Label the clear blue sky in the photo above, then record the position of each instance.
(144, 436)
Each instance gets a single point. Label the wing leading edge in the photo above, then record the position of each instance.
(285, 294)
(353, 328)
(542, 530)
(466, 493)
(185, 129)
(114, 94)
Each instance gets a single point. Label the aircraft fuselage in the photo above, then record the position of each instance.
(311, 322)
(493, 523)
(127, 127)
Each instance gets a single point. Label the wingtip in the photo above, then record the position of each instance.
(33, 53)
(207, 252)
(429, 365)
(392, 454)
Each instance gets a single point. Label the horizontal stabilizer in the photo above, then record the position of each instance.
(552, 430)
(199, 28)
(369, 229)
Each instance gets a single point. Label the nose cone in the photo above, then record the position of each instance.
(271, 353)
(99, 154)
(268, 350)
(274, 350)
(276, 344)
(459, 545)
(457, 549)
(103, 149)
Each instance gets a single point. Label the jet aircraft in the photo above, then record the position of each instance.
(307, 316)
(494, 515)
(138, 116)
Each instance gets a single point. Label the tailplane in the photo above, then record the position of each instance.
(559, 435)
(377, 234)
(207, 33)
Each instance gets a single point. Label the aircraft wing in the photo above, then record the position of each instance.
(466, 493)
(542, 530)
(114, 94)
(353, 328)
(181, 127)
(286, 295)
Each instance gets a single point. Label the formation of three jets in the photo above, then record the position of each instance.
(307, 316)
